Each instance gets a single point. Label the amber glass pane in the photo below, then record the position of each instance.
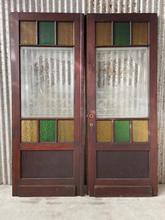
(65, 33)
(140, 33)
(65, 131)
(103, 33)
(140, 130)
(29, 130)
(28, 32)
(104, 131)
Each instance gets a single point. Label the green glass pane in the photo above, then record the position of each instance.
(121, 34)
(47, 131)
(46, 32)
(122, 133)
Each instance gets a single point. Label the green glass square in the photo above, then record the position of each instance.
(121, 33)
(48, 131)
(122, 131)
(46, 32)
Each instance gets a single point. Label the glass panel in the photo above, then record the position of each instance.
(140, 130)
(47, 82)
(46, 32)
(104, 131)
(28, 32)
(140, 33)
(65, 131)
(103, 33)
(121, 33)
(122, 82)
(29, 130)
(47, 130)
(65, 33)
(122, 133)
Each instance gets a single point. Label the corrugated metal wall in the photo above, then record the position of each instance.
(82, 6)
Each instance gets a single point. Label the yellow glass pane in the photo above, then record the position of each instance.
(139, 33)
(103, 33)
(65, 131)
(104, 131)
(140, 130)
(28, 32)
(29, 130)
(65, 33)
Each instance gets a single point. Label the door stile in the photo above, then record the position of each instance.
(153, 104)
(79, 109)
(14, 26)
(91, 104)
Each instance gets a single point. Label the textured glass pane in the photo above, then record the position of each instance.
(47, 130)
(122, 131)
(121, 34)
(65, 33)
(65, 131)
(47, 82)
(140, 130)
(103, 33)
(46, 32)
(28, 32)
(104, 131)
(139, 33)
(122, 82)
(29, 130)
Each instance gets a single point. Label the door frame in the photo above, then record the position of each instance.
(86, 96)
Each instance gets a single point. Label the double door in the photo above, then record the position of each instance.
(84, 112)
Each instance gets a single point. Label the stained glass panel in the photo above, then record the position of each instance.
(121, 33)
(47, 130)
(140, 130)
(65, 33)
(29, 130)
(65, 131)
(140, 33)
(103, 33)
(122, 131)
(28, 33)
(46, 32)
(104, 131)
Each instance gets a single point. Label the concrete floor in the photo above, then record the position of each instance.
(81, 208)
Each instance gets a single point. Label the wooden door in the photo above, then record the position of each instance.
(47, 76)
(121, 104)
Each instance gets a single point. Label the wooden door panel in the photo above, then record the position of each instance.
(121, 105)
(47, 118)
(47, 164)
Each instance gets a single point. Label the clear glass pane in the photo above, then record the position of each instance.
(122, 82)
(47, 82)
